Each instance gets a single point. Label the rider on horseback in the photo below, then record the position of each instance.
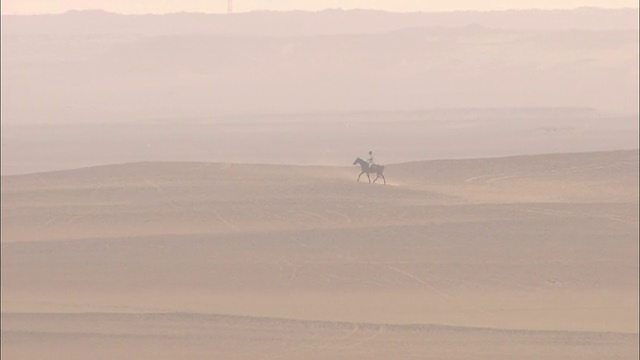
(370, 160)
(369, 167)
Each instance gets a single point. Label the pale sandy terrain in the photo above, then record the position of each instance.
(530, 257)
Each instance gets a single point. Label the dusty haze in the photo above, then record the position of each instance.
(298, 88)
(220, 6)
(181, 185)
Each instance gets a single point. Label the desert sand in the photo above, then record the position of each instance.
(525, 257)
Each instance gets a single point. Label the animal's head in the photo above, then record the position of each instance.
(356, 161)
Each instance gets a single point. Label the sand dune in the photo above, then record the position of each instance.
(518, 257)
(196, 336)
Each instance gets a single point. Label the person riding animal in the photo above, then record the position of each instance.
(370, 167)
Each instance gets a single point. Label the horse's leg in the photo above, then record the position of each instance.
(359, 176)
(385, 180)
(374, 180)
(369, 177)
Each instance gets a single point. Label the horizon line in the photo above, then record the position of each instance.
(236, 12)
(322, 165)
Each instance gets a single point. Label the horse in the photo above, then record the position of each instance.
(366, 169)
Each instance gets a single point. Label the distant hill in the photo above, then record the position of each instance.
(298, 23)
(95, 66)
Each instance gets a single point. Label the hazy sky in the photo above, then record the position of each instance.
(216, 6)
